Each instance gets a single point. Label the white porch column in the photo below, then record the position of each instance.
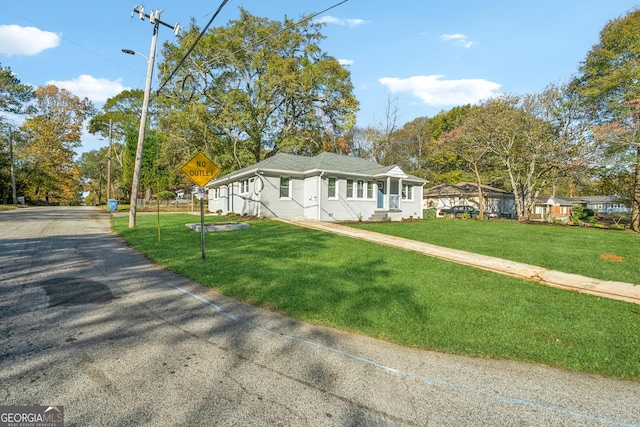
(387, 197)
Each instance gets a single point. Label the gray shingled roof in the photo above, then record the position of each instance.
(328, 162)
(602, 199)
(463, 188)
(559, 200)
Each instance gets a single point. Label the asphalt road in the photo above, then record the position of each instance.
(89, 324)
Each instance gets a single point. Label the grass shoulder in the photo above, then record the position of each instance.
(403, 297)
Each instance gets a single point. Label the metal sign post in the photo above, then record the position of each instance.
(202, 227)
(201, 170)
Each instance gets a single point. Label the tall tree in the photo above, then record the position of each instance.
(519, 133)
(572, 152)
(14, 99)
(386, 149)
(14, 96)
(92, 166)
(609, 82)
(122, 113)
(467, 141)
(53, 134)
(418, 138)
(267, 87)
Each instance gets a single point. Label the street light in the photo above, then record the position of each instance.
(133, 52)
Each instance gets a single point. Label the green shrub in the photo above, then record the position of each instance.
(583, 213)
(429, 213)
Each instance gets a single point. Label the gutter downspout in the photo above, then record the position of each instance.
(320, 196)
(259, 193)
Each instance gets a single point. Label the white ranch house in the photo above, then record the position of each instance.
(327, 187)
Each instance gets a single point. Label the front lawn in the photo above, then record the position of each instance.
(400, 296)
(592, 252)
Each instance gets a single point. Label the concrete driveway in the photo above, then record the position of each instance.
(89, 324)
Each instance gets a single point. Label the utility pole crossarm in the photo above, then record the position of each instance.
(154, 17)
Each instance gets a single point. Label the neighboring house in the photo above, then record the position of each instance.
(554, 208)
(327, 187)
(607, 205)
(550, 209)
(496, 201)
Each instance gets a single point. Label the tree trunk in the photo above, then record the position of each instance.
(635, 213)
(480, 196)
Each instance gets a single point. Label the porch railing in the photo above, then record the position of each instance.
(394, 201)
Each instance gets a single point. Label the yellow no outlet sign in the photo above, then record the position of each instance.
(200, 170)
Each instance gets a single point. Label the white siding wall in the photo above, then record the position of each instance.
(343, 209)
(264, 200)
(310, 197)
(274, 206)
(410, 208)
(217, 203)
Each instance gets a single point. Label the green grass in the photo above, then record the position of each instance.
(400, 296)
(568, 249)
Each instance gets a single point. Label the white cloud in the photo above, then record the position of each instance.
(328, 19)
(345, 61)
(457, 39)
(97, 90)
(29, 41)
(435, 91)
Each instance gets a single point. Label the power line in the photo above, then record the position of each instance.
(256, 42)
(290, 26)
(224, 2)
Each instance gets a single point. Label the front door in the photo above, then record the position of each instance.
(380, 195)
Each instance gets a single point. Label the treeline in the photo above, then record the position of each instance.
(255, 87)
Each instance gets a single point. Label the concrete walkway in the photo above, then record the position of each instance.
(608, 289)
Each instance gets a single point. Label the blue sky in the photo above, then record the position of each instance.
(424, 56)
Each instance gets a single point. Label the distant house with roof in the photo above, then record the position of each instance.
(554, 208)
(495, 201)
(610, 204)
(558, 208)
(326, 187)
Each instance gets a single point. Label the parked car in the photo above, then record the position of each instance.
(459, 211)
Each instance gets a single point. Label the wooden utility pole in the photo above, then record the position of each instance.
(154, 18)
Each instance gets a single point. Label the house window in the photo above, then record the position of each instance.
(285, 188)
(332, 188)
(360, 190)
(244, 186)
(407, 192)
(215, 193)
